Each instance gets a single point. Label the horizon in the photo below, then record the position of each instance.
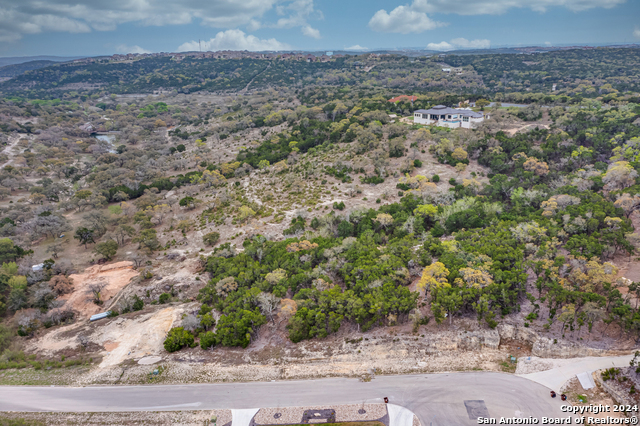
(398, 49)
(99, 28)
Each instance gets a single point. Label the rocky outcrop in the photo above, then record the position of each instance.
(544, 347)
(550, 348)
(463, 340)
(619, 395)
(516, 332)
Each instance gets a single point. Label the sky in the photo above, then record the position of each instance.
(101, 27)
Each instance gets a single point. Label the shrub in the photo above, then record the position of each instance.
(164, 298)
(373, 180)
(138, 303)
(207, 321)
(205, 309)
(177, 339)
(207, 340)
(6, 337)
(435, 178)
(417, 163)
(489, 319)
(211, 239)
(610, 373)
(297, 225)
(338, 206)
(107, 249)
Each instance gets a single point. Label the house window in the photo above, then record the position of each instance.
(465, 118)
(434, 117)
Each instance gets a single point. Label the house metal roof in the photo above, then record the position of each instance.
(441, 110)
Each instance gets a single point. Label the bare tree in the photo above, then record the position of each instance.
(268, 304)
(95, 291)
(61, 284)
(190, 322)
(137, 260)
(54, 249)
(84, 341)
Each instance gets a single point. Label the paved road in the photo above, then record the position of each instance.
(568, 368)
(437, 399)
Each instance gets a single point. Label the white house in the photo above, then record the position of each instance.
(452, 118)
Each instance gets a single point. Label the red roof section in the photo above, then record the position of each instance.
(404, 98)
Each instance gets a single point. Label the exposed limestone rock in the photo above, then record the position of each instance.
(546, 348)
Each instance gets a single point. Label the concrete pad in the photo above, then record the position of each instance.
(398, 416)
(149, 360)
(243, 417)
(586, 380)
(556, 377)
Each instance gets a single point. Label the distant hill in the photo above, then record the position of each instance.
(17, 69)
(22, 59)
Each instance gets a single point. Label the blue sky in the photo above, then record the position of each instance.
(95, 27)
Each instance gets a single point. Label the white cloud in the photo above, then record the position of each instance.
(254, 25)
(18, 18)
(443, 46)
(311, 32)
(299, 12)
(13, 24)
(123, 48)
(471, 44)
(636, 32)
(459, 43)
(414, 17)
(356, 47)
(495, 7)
(235, 40)
(402, 19)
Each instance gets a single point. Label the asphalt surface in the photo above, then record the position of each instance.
(437, 399)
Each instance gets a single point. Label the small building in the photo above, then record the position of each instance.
(452, 118)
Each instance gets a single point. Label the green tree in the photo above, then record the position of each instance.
(236, 328)
(207, 340)
(18, 294)
(84, 235)
(83, 194)
(177, 339)
(188, 202)
(211, 239)
(481, 103)
(8, 251)
(148, 239)
(106, 249)
(207, 321)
